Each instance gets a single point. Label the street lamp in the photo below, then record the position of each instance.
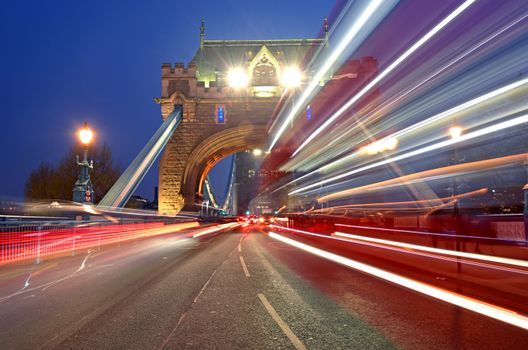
(83, 189)
(455, 132)
(291, 77)
(237, 78)
(387, 144)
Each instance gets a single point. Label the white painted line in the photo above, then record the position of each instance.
(285, 328)
(481, 307)
(166, 341)
(239, 247)
(244, 267)
(204, 286)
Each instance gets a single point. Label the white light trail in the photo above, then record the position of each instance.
(418, 232)
(387, 70)
(489, 310)
(338, 238)
(491, 258)
(214, 229)
(484, 131)
(350, 35)
(422, 124)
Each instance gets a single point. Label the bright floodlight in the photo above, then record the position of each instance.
(257, 152)
(291, 77)
(455, 132)
(85, 135)
(381, 146)
(391, 143)
(237, 78)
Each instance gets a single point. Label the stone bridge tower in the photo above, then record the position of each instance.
(219, 120)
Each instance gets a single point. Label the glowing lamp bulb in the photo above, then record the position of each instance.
(455, 132)
(291, 77)
(391, 143)
(257, 152)
(237, 78)
(85, 135)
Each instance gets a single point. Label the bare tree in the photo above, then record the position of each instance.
(47, 182)
(39, 184)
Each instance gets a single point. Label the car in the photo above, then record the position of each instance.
(266, 219)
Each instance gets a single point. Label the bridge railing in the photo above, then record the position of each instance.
(23, 240)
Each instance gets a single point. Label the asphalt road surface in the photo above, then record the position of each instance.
(234, 290)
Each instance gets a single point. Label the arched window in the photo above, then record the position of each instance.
(264, 73)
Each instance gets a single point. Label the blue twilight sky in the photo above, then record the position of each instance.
(64, 62)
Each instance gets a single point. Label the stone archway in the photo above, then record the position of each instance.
(212, 150)
(198, 143)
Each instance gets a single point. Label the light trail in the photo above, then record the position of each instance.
(484, 131)
(425, 233)
(390, 205)
(214, 229)
(414, 252)
(436, 118)
(433, 174)
(490, 258)
(400, 97)
(350, 35)
(489, 310)
(405, 250)
(16, 246)
(387, 70)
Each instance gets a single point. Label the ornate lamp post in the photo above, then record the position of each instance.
(83, 190)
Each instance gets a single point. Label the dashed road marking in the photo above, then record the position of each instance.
(297, 343)
(244, 267)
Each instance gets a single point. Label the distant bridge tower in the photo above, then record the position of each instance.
(219, 120)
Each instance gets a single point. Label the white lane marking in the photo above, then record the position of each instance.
(204, 286)
(166, 341)
(483, 308)
(26, 284)
(239, 247)
(244, 267)
(45, 285)
(174, 330)
(285, 328)
(83, 264)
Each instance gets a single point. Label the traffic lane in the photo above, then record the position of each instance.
(253, 301)
(497, 284)
(19, 275)
(409, 319)
(227, 313)
(144, 318)
(52, 314)
(314, 316)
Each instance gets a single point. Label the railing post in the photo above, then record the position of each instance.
(39, 235)
(73, 240)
